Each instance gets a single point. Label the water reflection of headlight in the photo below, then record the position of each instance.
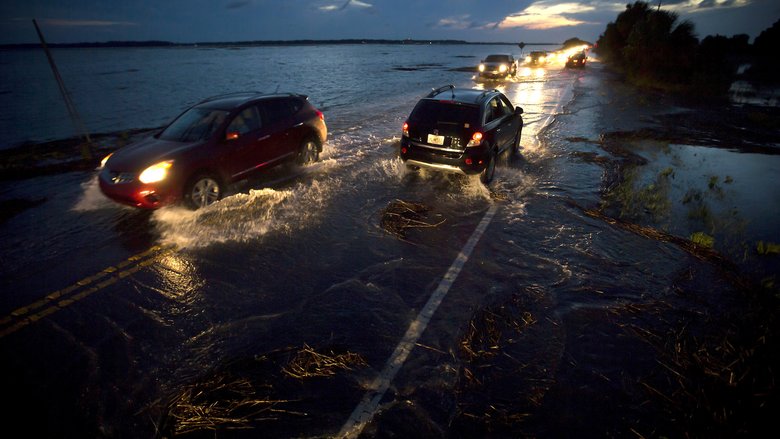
(179, 278)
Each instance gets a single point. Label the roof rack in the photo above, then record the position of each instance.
(442, 89)
(250, 93)
(484, 92)
(238, 93)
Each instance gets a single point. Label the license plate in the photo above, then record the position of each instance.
(435, 140)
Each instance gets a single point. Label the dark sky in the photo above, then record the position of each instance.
(186, 21)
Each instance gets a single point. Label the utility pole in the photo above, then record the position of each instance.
(86, 148)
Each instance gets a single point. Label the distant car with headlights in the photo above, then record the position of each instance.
(462, 131)
(498, 66)
(577, 60)
(217, 141)
(537, 57)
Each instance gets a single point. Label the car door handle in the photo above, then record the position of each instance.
(264, 137)
(298, 124)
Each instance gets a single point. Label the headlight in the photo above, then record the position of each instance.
(105, 159)
(156, 172)
(502, 68)
(481, 67)
(527, 59)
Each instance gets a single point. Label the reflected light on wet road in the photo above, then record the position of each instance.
(178, 277)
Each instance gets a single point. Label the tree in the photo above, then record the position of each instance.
(766, 64)
(574, 42)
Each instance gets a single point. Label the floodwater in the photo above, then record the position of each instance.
(271, 313)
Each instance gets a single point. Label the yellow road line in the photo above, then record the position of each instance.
(53, 302)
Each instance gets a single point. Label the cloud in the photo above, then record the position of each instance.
(349, 3)
(694, 6)
(85, 23)
(464, 22)
(458, 23)
(547, 15)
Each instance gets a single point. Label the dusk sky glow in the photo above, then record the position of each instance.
(189, 21)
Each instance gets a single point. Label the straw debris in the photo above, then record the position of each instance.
(221, 402)
(401, 215)
(308, 363)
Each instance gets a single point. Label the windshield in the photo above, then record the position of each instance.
(497, 58)
(436, 112)
(195, 124)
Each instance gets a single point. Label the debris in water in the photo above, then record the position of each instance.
(400, 215)
(309, 363)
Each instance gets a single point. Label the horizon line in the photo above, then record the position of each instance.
(163, 43)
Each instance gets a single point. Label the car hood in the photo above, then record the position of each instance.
(496, 63)
(138, 156)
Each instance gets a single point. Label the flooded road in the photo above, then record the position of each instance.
(523, 310)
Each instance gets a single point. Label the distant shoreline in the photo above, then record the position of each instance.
(259, 43)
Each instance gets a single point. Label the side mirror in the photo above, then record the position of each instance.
(233, 135)
(518, 110)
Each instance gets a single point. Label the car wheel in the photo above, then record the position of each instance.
(487, 174)
(202, 191)
(309, 152)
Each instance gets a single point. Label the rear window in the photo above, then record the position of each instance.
(277, 110)
(497, 58)
(435, 112)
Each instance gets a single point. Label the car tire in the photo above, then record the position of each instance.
(203, 190)
(309, 152)
(486, 176)
(516, 142)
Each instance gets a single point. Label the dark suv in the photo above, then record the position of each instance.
(217, 141)
(537, 57)
(462, 131)
(497, 66)
(577, 60)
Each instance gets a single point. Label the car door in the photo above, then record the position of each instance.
(497, 122)
(510, 123)
(243, 144)
(282, 131)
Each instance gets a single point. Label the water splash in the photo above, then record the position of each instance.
(92, 198)
(246, 216)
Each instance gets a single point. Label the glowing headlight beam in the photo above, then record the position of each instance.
(156, 172)
(105, 159)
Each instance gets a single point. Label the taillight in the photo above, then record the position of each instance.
(321, 115)
(406, 129)
(476, 139)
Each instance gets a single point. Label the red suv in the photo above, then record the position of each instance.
(217, 141)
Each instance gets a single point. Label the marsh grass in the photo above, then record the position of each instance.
(64, 155)
(637, 201)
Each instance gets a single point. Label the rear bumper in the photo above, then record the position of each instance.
(470, 161)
